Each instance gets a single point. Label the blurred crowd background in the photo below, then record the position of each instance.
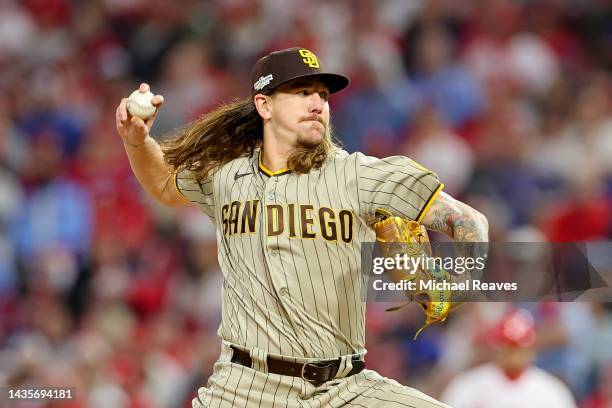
(103, 290)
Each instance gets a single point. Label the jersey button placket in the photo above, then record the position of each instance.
(272, 242)
(270, 189)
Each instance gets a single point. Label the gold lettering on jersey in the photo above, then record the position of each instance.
(291, 214)
(224, 219)
(274, 216)
(240, 217)
(346, 225)
(328, 224)
(299, 221)
(234, 213)
(309, 58)
(307, 221)
(248, 222)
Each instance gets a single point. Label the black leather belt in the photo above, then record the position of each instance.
(313, 372)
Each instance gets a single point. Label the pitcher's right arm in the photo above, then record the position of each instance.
(145, 154)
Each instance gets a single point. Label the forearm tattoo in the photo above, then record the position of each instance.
(462, 226)
(469, 230)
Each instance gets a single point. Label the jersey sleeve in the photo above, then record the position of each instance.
(200, 193)
(397, 184)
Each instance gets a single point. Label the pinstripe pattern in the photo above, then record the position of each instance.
(233, 385)
(297, 293)
(289, 248)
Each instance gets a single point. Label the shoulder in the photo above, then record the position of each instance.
(545, 378)
(355, 161)
(239, 162)
(550, 388)
(339, 158)
(341, 155)
(386, 164)
(187, 180)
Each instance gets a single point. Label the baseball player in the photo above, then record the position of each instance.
(291, 210)
(511, 380)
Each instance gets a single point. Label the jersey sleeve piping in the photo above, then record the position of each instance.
(432, 198)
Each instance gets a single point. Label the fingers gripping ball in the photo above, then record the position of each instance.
(139, 104)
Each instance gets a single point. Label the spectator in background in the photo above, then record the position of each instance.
(375, 133)
(586, 131)
(582, 211)
(17, 29)
(191, 82)
(510, 380)
(434, 144)
(499, 49)
(376, 73)
(52, 231)
(501, 140)
(438, 77)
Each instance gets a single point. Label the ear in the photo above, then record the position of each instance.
(263, 106)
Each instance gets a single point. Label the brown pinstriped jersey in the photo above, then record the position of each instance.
(289, 246)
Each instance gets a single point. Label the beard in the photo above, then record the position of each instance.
(310, 152)
(308, 142)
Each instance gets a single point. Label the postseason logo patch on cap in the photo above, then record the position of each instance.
(262, 82)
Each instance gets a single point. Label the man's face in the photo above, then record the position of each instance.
(300, 111)
(513, 360)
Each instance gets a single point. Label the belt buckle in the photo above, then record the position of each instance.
(323, 364)
(302, 372)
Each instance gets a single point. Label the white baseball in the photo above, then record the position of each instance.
(139, 104)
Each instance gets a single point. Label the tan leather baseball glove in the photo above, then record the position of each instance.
(401, 236)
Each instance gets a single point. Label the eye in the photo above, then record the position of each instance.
(324, 95)
(303, 92)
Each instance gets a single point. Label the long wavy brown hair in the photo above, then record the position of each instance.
(233, 130)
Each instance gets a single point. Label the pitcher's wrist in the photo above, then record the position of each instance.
(130, 144)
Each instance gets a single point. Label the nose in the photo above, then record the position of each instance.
(315, 103)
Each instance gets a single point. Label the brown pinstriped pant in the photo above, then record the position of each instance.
(233, 385)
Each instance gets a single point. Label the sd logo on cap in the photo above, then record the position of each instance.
(280, 67)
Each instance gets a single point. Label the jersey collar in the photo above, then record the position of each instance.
(267, 171)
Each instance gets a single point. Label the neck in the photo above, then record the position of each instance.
(514, 375)
(275, 153)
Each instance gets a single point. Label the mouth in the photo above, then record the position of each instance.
(315, 123)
